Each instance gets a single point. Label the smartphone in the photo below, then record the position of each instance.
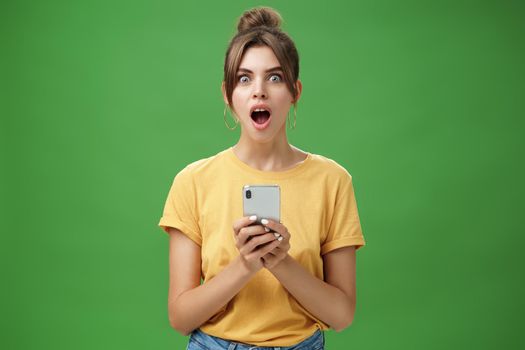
(263, 201)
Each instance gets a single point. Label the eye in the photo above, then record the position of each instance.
(241, 80)
(278, 76)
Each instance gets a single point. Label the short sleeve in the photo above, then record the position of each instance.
(180, 210)
(345, 227)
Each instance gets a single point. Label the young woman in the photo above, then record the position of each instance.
(261, 288)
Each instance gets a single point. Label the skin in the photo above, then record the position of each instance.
(266, 150)
(333, 299)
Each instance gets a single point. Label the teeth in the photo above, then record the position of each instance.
(259, 110)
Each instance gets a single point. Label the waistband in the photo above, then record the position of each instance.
(314, 342)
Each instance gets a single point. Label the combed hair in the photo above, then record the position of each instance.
(260, 26)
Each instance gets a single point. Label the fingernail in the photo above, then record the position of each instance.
(264, 221)
(276, 234)
(253, 217)
(280, 238)
(267, 229)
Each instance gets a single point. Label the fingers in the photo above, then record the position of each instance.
(256, 242)
(277, 227)
(282, 234)
(248, 233)
(265, 249)
(242, 222)
(279, 252)
(274, 257)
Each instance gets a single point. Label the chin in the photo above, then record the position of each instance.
(262, 138)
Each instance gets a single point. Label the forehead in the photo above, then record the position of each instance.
(259, 58)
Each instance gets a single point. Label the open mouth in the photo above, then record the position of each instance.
(260, 116)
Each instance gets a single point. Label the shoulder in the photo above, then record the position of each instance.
(201, 167)
(332, 168)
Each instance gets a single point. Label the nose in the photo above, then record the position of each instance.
(259, 90)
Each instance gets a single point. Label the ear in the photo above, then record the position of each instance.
(223, 89)
(299, 88)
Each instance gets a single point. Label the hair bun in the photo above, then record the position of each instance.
(259, 16)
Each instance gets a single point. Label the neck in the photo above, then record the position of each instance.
(275, 155)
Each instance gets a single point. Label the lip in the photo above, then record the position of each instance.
(260, 105)
(262, 126)
(267, 123)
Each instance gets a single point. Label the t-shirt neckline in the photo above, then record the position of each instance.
(269, 174)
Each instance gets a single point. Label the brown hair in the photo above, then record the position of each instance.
(260, 26)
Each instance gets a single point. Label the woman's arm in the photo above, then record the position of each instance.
(332, 301)
(190, 304)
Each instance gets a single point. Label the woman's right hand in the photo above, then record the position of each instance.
(253, 242)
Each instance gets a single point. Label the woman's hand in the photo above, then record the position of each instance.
(276, 255)
(253, 242)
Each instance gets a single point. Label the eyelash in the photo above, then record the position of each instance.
(244, 75)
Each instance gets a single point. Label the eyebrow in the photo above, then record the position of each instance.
(268, 70)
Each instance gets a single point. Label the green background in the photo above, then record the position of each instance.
(103, 102)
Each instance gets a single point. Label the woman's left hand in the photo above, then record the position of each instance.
(274, 257)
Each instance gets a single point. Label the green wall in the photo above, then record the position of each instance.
(103, 102)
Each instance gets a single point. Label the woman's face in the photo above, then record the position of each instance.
(261, 99)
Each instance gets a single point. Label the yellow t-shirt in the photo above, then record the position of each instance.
(319, 209)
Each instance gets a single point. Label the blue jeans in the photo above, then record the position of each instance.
(202, 341)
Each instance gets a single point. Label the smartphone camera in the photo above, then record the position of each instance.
(248, 194)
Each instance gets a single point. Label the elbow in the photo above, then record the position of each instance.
(182, 332)
(345, 320)
(180, 327)
(177, 322)
(344, 324)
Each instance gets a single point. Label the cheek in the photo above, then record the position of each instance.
(284, 103)
(283, 95)
(238, 96)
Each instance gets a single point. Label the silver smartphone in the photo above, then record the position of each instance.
(263, 201)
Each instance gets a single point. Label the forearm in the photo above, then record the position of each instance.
(326, 302)
(194, 307)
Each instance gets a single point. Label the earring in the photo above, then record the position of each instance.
(236, 120)
(294, 118)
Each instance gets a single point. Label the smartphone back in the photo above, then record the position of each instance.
(263, 201)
